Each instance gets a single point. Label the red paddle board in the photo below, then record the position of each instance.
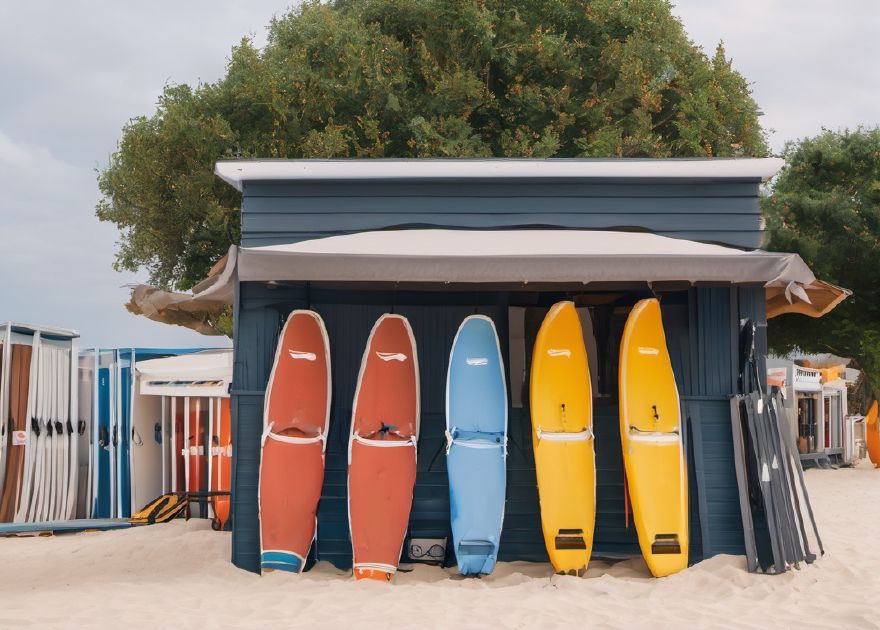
(296, 418)
(179, 462)
(196, 451)
(382, 448)
(20, 367)
(221, 451)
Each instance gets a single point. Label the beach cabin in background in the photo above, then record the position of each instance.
(437, 240)
(134, 402)
(40, 468)
(189, 443)
(816, 408)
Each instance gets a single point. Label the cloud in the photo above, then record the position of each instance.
(812, 64)
(73, 76)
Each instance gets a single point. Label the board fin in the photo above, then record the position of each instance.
(570, 539)
(666, 544)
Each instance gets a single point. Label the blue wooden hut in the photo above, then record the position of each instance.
(437, 240)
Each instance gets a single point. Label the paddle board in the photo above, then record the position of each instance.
(382, 448)
(33, 449)
(872, 434)
(5, 368)
(125, 362)
(562, 437)
(296, 417)
(476, 435)
(21, 356)
(650, 434)
(179, 410)
(196, 462)
(102, 500)
(221, 451)
(85, 406)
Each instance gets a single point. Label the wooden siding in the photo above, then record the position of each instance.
(696, 349)
(274, 213)
(702, 331)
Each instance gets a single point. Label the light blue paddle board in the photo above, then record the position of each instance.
(476, 430)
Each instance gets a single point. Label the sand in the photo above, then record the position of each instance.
(179, 574)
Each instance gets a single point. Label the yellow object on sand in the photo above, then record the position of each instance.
(872, 434)
(650, 433)
(562, 436)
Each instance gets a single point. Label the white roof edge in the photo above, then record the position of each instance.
(48, 330)
(238, 171)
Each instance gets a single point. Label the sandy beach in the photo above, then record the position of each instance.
(180, 574)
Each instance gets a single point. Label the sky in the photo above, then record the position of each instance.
(70, 78)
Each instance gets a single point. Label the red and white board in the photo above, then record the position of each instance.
(296, 418)
(382, 448)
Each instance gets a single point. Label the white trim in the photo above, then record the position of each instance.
(477, 444)
(411, 441)
(163, 401)
(209, 446)
(184, 451)
(291, 439)
(52, 331)
(236, 172)
(654, 437)
(172, 446)
(564, 436)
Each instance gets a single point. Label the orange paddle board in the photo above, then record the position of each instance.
(296, 418)
(196, 450)
(382, 448)
(221, 451)
(872, 434)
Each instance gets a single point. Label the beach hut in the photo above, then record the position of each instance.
(124, 447)
(816, 408)
(437, 240)
(40, 469)
(183, 405)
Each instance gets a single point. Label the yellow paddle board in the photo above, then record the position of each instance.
(562, 436)
(650, 433)
(872, 434)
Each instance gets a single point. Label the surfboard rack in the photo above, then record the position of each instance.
(570, 539)
(666, 543)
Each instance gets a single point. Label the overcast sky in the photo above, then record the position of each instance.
(71, 76)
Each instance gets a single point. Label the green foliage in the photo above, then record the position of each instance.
(825, 206)
(419, 78)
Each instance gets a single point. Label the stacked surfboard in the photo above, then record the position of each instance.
(39, 451)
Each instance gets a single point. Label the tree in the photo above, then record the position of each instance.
(825, 205)
(418, 78)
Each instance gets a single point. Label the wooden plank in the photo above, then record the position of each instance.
(501, 205)
(320, 222)
(514, 188)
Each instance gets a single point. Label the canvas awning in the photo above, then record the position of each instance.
(206, 373)
(521, 257)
